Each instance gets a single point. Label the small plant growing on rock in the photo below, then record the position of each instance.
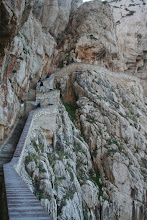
(30, 157)
(41, 169)
(92, 37)
(39, 194)
(96, 179)
(34, 145)
(94, 153)
(71, 111)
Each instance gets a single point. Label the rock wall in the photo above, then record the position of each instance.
(95, 165)
(28, 36)
(88, 161)
(114, 37)
(131, 19)
(53, 15)
(13, 14)
(58, 168)
(28, 58)
(41, 36)
(111, 115)
(27, 49)
(90, 38)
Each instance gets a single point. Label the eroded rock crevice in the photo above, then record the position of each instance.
(108, 118)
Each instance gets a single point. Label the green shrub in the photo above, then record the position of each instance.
(40, 194)
(92, 37)
(34, 145)
(31, 157)
(94, 153)
(71, 111)
(96, 180)
(41, 169)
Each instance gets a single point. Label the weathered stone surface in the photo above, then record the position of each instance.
(108, 117)
(58, 171)
(13, 14)
(90, 194)
(53, 15)
(131, 32)
(1, 132)
(131, 18)
(90, 38)
(27, 60)
(63, 175)
(104, 177)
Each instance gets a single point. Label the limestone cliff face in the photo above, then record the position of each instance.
(26, 55)
(27, 58)
(131, 19)
(90, 32)
(90, 38)
(91, 163)
(111, 115)
(113, 37)
(53, 15)
(13, 14)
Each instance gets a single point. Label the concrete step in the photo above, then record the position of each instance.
(9, 148)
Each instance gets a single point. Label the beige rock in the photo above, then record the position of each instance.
(111, 131)
(53, 15)
(1, 132)
(90, 194)
(130, 18)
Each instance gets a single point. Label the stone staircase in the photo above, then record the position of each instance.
(6, 155)
(9, 147)
(49, 96)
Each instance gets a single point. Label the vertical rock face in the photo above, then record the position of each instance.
(90, 38)
(60, 172)
(26, 55)
(13, 14)
(91, 165)
(131, 20)
(29, 56)
(96, 169)
(53, 15)
(92, 23)
(111, 115)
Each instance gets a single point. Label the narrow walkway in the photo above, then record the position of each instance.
(21, 202)
(73, 67)
(9, 148)
(17, 201)
(6, 155)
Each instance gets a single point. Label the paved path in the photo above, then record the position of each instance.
(9, 147)
(6, 155)
(16, 199)
(21, 202)
(73, 67)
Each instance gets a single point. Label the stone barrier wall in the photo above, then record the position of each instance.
(48, 98)
(32, 122)
(21, 202)
(85, 66)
